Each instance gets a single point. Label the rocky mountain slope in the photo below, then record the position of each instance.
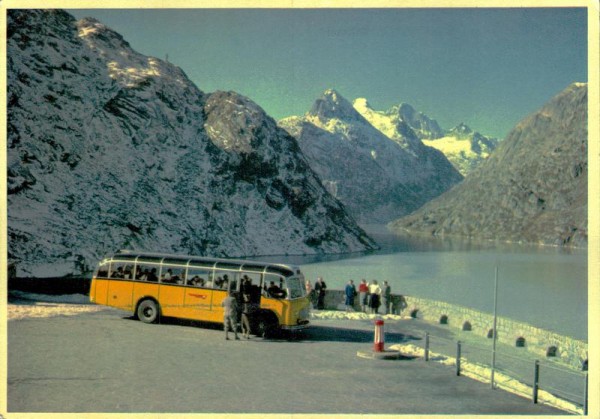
(378, 177)
(111, 149)
(533, 188)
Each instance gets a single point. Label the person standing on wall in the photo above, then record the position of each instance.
(350, 292)
(320, 288)
(375, 295)
(386, 297)
(363, 291)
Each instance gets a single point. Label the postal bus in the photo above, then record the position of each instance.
(151, 285)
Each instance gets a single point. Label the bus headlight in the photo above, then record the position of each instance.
(304, 313)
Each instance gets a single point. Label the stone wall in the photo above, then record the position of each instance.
(539, 341)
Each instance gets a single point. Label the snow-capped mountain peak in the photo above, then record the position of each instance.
(361, 103)
(374, 174)
(461, 129)
(332, 105)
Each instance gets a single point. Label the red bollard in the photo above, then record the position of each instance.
(379, 340)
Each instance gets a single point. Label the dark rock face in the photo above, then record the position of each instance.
(110, 149)
(378, 178)
(423, 126)
(533, 188)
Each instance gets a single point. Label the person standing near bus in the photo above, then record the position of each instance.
(308, 288)
(230, 315)
(320, 288)
(249, 309)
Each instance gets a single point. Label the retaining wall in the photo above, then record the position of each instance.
(539, 341)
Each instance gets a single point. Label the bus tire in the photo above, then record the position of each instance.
(148, 311)
(267, 323)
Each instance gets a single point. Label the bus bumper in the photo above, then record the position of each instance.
(301, 325)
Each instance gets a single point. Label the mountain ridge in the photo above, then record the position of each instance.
(110, 149)
(375, 176)
(534, 184)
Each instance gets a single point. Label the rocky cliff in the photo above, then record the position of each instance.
(109, 149)
(533, 188)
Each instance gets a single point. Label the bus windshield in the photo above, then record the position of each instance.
(295, 286)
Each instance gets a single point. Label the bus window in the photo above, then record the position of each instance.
(274, 286)
(295, 286)
(146, 273)
(103, 270)
(173, 275)
(121, 270)
(199, 277)
(225, 280)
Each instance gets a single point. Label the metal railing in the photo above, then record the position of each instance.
(542, 379)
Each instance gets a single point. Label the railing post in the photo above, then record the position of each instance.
(585, 397)
(426, 346)
(458, 358)
(536, 381)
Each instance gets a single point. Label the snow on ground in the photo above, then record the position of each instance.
(482, 373)
(22, 305)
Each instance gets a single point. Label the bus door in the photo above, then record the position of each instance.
(273, 295)
(250, 286)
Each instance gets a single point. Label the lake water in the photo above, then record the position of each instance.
(545, 287)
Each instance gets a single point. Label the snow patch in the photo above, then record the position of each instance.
(23, 305)
(483, 374)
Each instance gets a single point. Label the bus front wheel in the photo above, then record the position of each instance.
(266, 326)
(147, 311)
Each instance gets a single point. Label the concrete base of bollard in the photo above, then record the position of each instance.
(387, 354)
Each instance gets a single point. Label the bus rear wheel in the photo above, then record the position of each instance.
(147, 311)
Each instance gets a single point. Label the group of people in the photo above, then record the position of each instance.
(372, 296)
(242, 306)
(317, 294)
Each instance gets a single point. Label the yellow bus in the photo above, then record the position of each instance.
(151, 285)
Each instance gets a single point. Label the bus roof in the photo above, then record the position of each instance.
(286, 270)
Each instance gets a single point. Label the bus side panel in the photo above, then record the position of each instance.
(279, 307)
(99, 289)
(171, 301)
(143, 290)
(120, 293)
(197, 303)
